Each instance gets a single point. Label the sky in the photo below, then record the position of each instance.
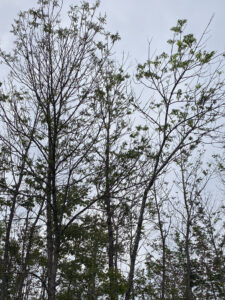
(139, 21)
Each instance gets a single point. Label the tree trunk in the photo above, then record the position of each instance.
(135, 247)
(188, 262)
(112, 287)
(5, 263)
(24, 271)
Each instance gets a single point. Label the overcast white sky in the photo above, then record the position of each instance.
(138, 21)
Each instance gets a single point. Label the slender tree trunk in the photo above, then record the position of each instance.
(92, 283)
(109, 209)
(163, 241)
(110, 252)
(137, 238)
(5, 263)
(138, 233)
(109, 212)
(188, 262)
(50, 240)
(135, 247)
(53, 247)
(163, 268)
(188, 291)
(50, 251)
(24, 271)
(53, 228)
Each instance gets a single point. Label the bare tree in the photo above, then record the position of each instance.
(17, 149)
(187, 94)
(191, 182)
(58, 69)
(72, 161)
(115, 166)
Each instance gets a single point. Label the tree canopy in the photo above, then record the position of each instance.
(104, 192)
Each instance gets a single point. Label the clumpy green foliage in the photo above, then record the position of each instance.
(100, 196)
